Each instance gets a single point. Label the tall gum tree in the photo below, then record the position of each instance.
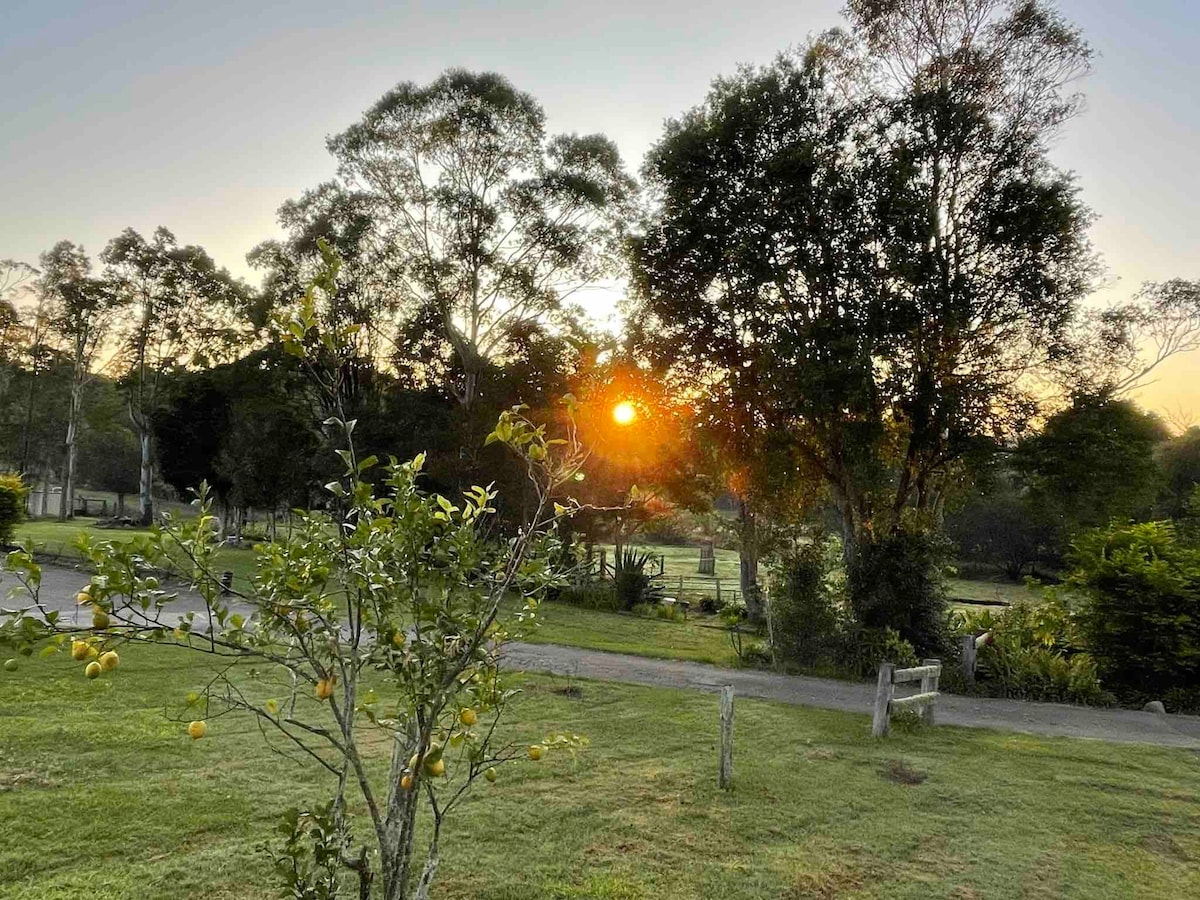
(488, 223)
(81, 312)
(177, 312)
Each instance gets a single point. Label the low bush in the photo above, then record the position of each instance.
(803, 611)
(897, 582)
(633, 582)
(1141, 618)
(13, 494)
(1035, 653)
(594, 594)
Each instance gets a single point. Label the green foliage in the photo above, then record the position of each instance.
(1141, 621)
(896, 581)
(13, 494)
(1002, 529)
(805, 624)
(309, 861)
(599, 594)
(1035, 652)
(632, 583)
(1091, 463)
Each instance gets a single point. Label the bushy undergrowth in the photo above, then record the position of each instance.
(812, 624)
(896, 581)
(1141, 616)
(12, 505)
(1035, 653)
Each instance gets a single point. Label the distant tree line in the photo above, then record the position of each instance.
(857, 293)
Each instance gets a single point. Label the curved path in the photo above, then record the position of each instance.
(1054, 719)
(59, 585)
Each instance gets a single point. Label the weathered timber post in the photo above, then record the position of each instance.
(718, 593)
(883, 699)
(966, 657)
(725, 774)
(929, 685)
(708, 559)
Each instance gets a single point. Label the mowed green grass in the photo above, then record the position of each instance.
(699, 639)
(101, 796)
(57, 539)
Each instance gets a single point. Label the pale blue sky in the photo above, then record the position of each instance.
(205, 116)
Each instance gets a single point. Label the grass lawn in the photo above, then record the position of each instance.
(683, 561)
(57, 539)
(102, 797)
(698, 639)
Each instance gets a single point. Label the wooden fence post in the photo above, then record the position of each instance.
(718, 593)
(929, 684)
(883, 699)
(725, 775)
(966, 656)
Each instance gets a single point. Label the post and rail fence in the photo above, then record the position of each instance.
(924, 702)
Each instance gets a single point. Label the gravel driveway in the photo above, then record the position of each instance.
(60, 584)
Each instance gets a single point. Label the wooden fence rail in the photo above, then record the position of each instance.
(886, 701)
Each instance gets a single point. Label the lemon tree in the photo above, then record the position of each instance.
(391, 585)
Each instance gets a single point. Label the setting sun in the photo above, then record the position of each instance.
(624, 413)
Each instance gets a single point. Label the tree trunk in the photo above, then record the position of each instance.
(146, 479)
(748, 562)
(399, 829)
(67, 508)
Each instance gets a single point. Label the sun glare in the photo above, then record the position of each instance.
(624, 413)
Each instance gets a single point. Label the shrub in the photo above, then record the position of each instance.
(803, 614)
(598, 594)
(896, 582)
(1141, 620)
(861, 650)
(632, 583)
(12, 505)
(1035, 653)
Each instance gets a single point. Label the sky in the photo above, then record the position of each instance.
(205, 117)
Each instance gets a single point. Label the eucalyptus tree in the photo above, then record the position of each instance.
(866, 245)
(178, 312)
(81, 314)
(486, 223)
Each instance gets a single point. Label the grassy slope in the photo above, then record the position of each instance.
(102, 797)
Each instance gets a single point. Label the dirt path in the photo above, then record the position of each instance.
(59, 585)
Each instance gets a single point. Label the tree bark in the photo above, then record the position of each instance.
(146, 479)
(748, 553)
(67, 508)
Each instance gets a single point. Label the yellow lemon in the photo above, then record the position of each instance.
(10, 665)
(398, 638)
(79, 650)
(197, 730)
(490, 774)
(92, 670)
(83, 598)
(99, 618)
(92, 651)
(406, 782)
(436, 768)
(468, 717)
(536, 751)
(272, 707)
(109, 660)
(324, 688)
